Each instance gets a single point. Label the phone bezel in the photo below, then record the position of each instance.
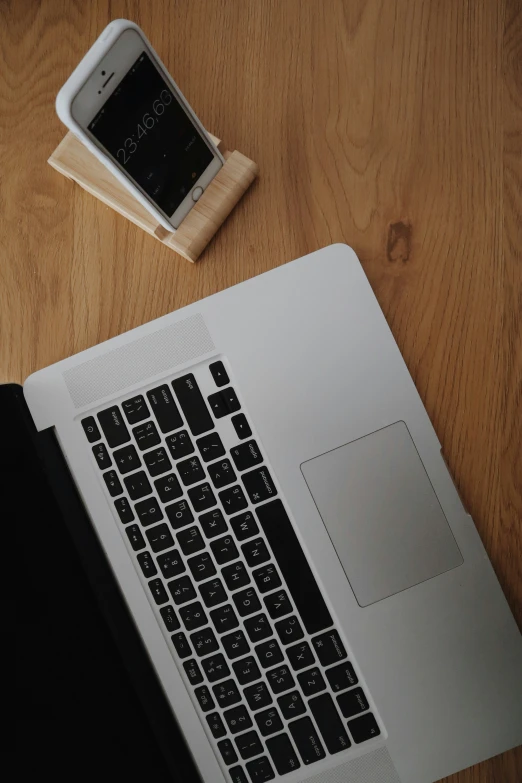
(92, 95)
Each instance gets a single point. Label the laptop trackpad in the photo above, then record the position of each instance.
(382, 514)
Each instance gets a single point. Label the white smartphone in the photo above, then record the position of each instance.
(127, 110)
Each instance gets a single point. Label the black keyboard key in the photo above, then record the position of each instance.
(329, 647)
(137, 485)
(193, 616)
(113, 483)
(91, 429)
(102, 456)
(249, 745)
(227, 751)
(224, 618)
(191, 471)
(283, 754)
(219, 373)
(269, 653)
(216, 725)
(255, 552)
(233, 499)
(193, 671)
(364, 728)
(329, 723)
(307, 740)
(311, 681)
(235, 644)
(236, 575)
(300, 656)
(168, 488)
(237, 775)
(204, 642)
(179, 514)
(127, 459)
(157, 462)
(179, 444)
(267, 578)
(268, 721)
(353, 702)
(259, 485)
(135, 537)
(260, 770)
(294, 566)
(244, 526)
(231, 400)
(182, 590)
(160, 538)
(181, 645)
(258, 628)
(146, 436)
(193, 405)
(291, 705)
(246, 455)
(164, 408)
(226, 693)
(158, 591)
(280, 679)
(258, 696)
(221, 473)
(278, 604)
(216, 667)
(113, 426)
(241, 426)
(124, 509)
(247, 602)
(213, 523)
(211, 447)
(246, 670)
(170, 619)
(224, 549)
(289, 630)
(213, 593)
(190, 540)
(149, 511)
(218, 405)
(238, 719)
(147, 564)
(341, 677)
(201, 567)
(135, 409)
(202, 497)
(203, 695)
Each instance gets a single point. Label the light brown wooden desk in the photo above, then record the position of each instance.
(393, 126)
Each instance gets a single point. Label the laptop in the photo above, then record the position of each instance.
(258, 498)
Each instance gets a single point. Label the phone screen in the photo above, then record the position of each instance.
(145, 129)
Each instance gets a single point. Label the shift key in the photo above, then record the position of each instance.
(330, 725)
(193, 405)
(164, 408)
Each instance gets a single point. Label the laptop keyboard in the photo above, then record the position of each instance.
(250, 630)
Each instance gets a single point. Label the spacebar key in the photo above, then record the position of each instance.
(294, 566)
(193, 405)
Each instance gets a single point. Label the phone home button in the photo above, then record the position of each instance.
(197, 193)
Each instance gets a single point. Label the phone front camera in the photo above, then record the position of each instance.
(103, 73)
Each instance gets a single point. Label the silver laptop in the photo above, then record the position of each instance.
(272, 499)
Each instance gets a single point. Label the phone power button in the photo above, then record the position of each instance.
(197, 193)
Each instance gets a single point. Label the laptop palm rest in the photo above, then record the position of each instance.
(382, 514)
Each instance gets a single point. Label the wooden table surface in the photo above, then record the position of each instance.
(393, 126)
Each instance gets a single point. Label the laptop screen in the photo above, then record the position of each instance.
(78, 716)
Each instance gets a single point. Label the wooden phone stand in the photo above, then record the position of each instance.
(75, 161)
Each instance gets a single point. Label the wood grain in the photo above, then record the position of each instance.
(394, 126)
(72, 159)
